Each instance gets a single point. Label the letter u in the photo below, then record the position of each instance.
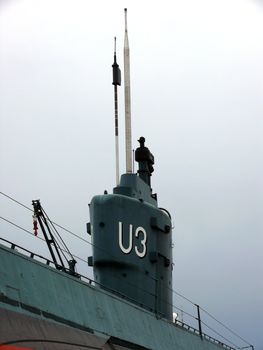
(125, 250)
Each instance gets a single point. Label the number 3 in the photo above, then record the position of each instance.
(143, 242)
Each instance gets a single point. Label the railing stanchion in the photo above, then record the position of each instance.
(199, 321)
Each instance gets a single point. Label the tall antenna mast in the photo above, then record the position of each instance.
(127, 90)
(116, 80)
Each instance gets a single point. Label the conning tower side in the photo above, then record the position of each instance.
(132, 240)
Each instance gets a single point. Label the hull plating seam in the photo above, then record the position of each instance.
(48, 315)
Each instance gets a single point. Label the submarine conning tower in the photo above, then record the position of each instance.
(132, 240)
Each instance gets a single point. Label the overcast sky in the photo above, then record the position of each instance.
(197, 86)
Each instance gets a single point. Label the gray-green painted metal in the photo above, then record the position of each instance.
(132, 245)
(32, 283)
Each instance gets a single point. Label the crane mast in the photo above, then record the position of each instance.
(54, 248)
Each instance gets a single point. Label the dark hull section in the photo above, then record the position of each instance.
(19, 331)
(33, 333)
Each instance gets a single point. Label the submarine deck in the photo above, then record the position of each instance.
(40, 305)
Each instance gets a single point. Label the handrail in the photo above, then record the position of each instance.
(32, 255)
(206, 336)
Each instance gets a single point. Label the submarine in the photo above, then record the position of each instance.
(46, 304)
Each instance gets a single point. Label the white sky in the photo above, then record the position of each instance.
(197, 84)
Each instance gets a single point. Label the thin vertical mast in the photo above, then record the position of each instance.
(116, 73)
(127, 90)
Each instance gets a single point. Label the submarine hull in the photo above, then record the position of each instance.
(39, 301)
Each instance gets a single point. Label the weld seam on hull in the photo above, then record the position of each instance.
(45, 314)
